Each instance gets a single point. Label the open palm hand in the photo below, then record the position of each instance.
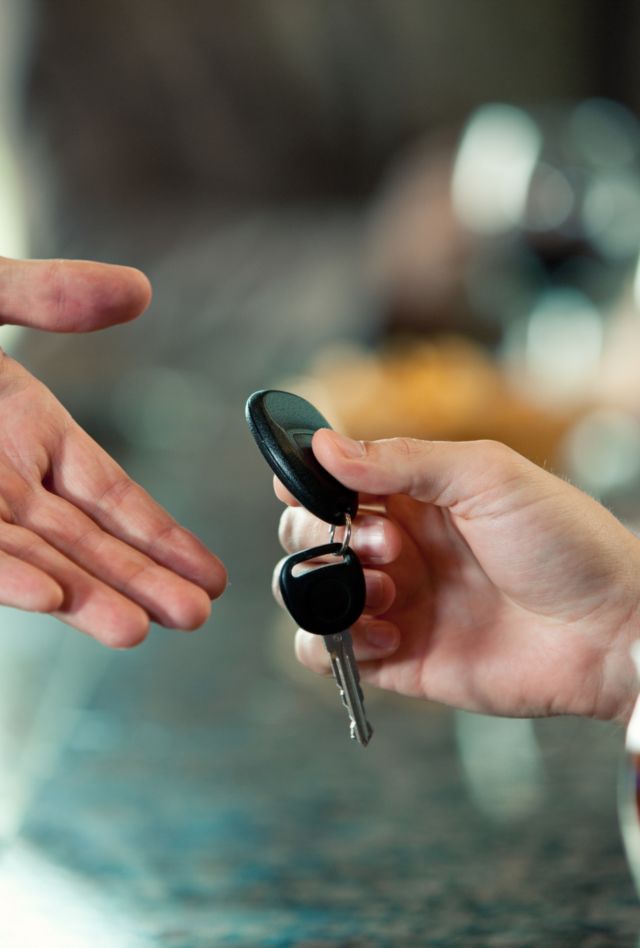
(78, 538)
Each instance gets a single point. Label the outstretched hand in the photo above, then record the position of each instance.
(492, 585)
(78, 538)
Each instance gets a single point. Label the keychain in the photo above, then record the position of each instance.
(325, 599)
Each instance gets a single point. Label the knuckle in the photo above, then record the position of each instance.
(58, 287)
(300, 648)
(497, 449)
(297, 529)
(275, 582)
(22, 542)
(408, 447)
(285, 528)
(113, 495)
(138, 570)
(306, 651)
(501, 456)
(90, 540)
(163, 537)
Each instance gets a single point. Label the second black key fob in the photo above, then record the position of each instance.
(282, 425)
(329, 598)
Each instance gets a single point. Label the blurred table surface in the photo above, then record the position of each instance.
(201, 790)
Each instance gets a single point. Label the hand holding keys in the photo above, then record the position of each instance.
(328, 598)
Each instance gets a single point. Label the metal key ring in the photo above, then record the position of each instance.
(347, 535)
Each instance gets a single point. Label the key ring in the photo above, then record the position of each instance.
(347, 535)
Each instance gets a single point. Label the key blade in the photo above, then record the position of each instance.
(360, 729)
(345, 672)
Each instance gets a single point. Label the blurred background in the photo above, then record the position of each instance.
(424, 216)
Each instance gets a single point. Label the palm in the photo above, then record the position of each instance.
(520, 631)
(32, 429)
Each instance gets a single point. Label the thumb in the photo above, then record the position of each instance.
(445, 473)
(70, 295)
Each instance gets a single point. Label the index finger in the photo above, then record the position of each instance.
(70, 295)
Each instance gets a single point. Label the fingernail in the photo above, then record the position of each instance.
(381, 635)
(348, 447)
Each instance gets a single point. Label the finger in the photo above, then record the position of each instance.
(168, 599)
(373, 640)
(23, 586)
(283, 494)
(298, 529)
(376, 539)
(445, 473)
(89, 479)
(70, 295)
(380, 592)
(275, 582)
(88, 605)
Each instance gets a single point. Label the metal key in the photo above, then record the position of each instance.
(345, 671)
(327, 600)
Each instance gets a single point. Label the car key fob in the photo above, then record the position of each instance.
(282, 425)
(329, 598)
(326, 600)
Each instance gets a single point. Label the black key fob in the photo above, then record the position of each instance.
(329, 598)
(282, 425)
